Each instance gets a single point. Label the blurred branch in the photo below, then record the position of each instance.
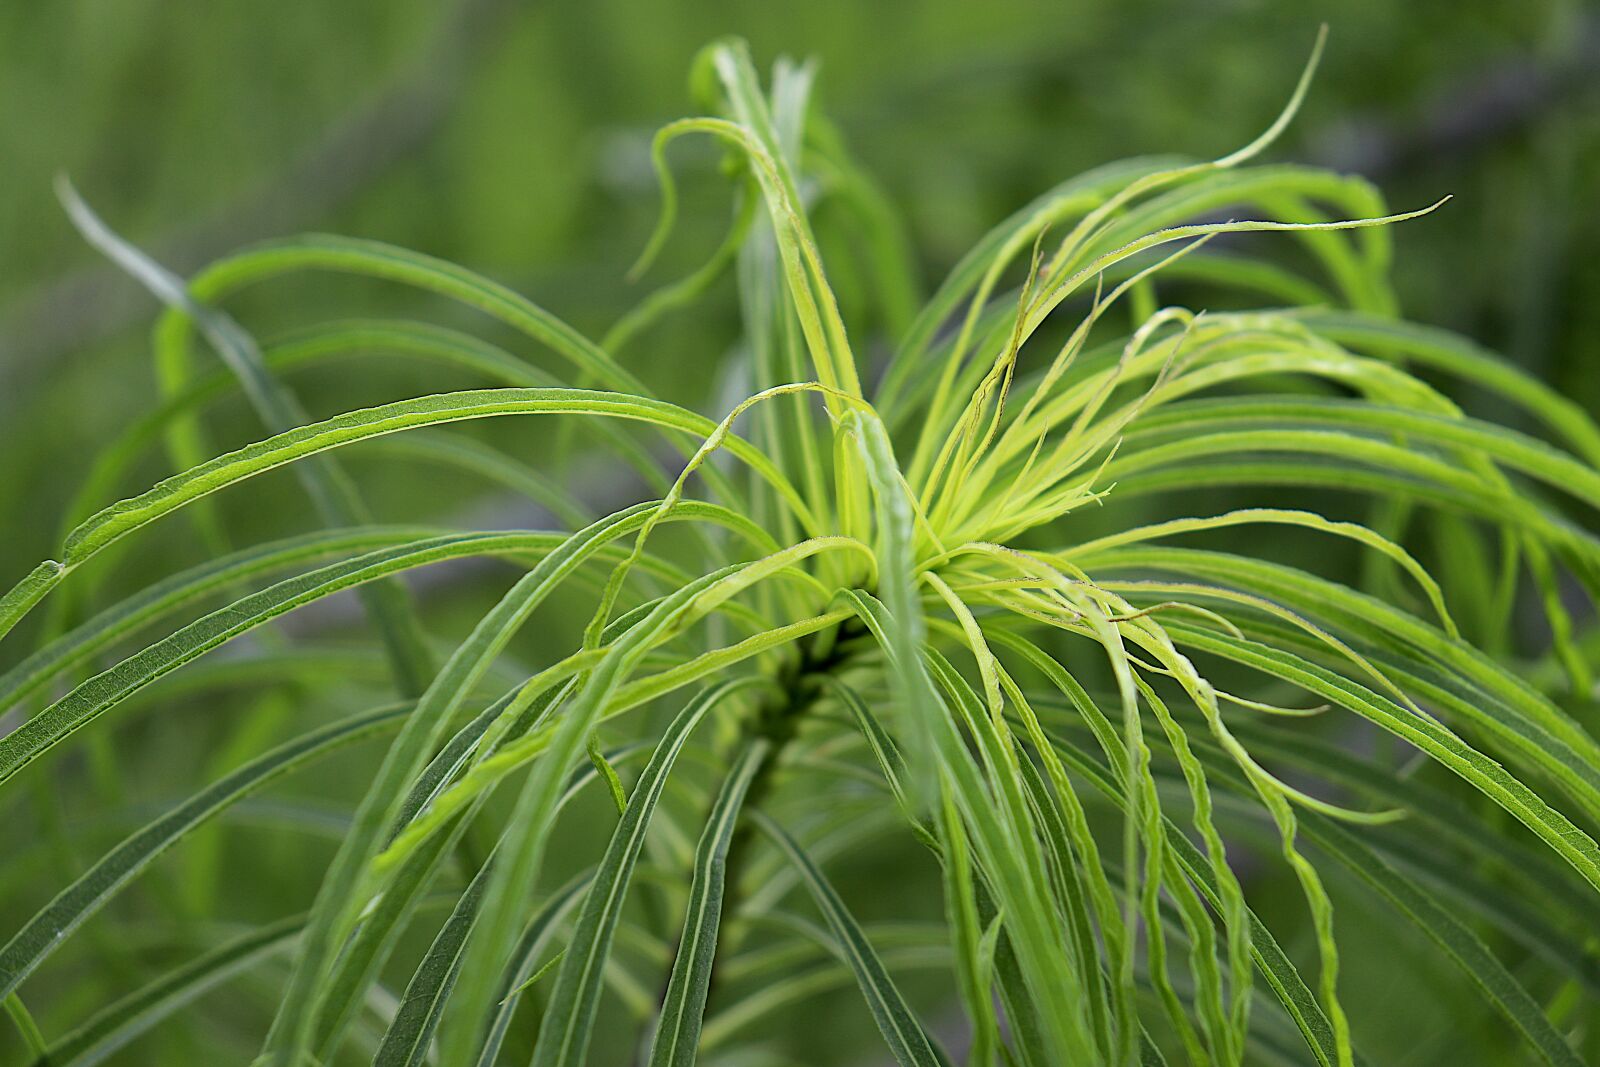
(95, 303)
(1496, 104)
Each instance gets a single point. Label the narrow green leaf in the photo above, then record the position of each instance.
(907, 1040)
(677, 1038)
(352, 255)
(42, 934)
(27, 1029)
(162, 598)
(961, 916)
(332, 493)
(569, 1017)
(112, 1028)
(338, 901)
(124, 517)
(20, 598)
(523, 958)
(405, 1043)
(107, 689)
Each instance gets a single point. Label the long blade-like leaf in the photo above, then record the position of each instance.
(677, 1038)
(569, 1018)
(907, 1039)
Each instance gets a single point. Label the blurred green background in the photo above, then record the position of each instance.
(513, 137)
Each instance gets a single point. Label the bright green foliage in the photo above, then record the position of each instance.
(1014, 600)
